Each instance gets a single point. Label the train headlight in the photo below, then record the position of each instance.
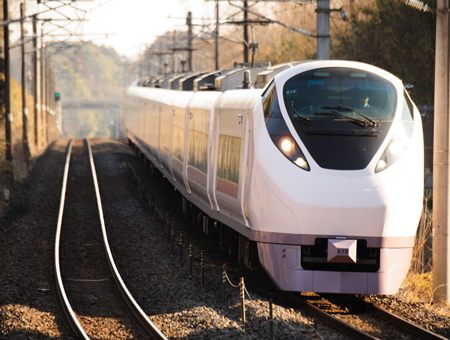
(286, 145)
(381, 165)
(301, 163)
(395, 149)
(291, 150)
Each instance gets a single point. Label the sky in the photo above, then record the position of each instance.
(133, 24)
(130, 25)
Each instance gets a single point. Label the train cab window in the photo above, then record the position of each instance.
(312, 94)
(270, 102)
(340, 114)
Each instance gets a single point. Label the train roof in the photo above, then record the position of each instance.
(231, 79)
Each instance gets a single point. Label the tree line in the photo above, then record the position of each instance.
(395, 37)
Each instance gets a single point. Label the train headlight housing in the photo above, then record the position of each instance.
(396, 148)
(291, 150)
(278, 130)
(402, 136)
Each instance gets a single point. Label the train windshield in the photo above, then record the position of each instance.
(340, 93)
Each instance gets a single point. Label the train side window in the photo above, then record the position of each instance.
(270, 102)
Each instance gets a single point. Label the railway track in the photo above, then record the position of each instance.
(370, 321)
(325, 307)
(88, 281)
(180, 307)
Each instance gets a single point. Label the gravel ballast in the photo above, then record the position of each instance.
(174, 300)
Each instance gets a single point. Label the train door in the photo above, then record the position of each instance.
(144, 123)
(158, 132)
(166, 116)
(199, 115)
(150, 128)
(154, 131)
(231, 155)
(147, 106)
(142, 107)
(131, 117)
(177, 147)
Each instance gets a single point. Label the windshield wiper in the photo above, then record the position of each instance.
(340, 107)
(297, 115)
(334, 113)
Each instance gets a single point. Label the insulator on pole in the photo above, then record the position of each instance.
(419, 5)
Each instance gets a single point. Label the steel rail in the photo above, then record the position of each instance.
(403, 323)
(329, 319)
(71, 317)
(396, 320)
(138, 312)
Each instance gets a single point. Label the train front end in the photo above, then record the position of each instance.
(337, 179)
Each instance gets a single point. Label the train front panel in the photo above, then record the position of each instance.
(337, 179)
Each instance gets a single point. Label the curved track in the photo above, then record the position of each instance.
(420, 332)
(363, 308)
(372, 319)
(72, 266)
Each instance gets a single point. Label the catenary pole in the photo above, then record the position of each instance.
(217, 37)
(42, 87)
(44, 64)
(441, 159)
(323, 29)
(245, 32)
(8, 118)
(47, 95)
(36, 82)
(190, 37)
(26, 153)
(174, 56)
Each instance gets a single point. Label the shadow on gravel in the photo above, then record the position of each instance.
(29, 307)
(443, 331)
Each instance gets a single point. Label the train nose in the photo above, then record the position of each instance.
(341, 206)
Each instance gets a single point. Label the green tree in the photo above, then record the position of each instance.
(89, 72)
(395, 37)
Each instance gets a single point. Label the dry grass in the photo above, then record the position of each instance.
(418, 287)
(418, 284)
(423, 253)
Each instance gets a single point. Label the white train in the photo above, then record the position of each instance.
(319, 175)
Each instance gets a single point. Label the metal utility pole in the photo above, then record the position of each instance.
(8, 118)
(217, 37)
(47, 96)
(263, 21)
(441, 158)
(323, 29)
(51, 117)
(174, 56)
(190, 37)
(42, 89)
(36, 82)
(253, 46)
(245, 31)
(26, 150)
(323, 25)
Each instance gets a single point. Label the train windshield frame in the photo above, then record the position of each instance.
(340, 93)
